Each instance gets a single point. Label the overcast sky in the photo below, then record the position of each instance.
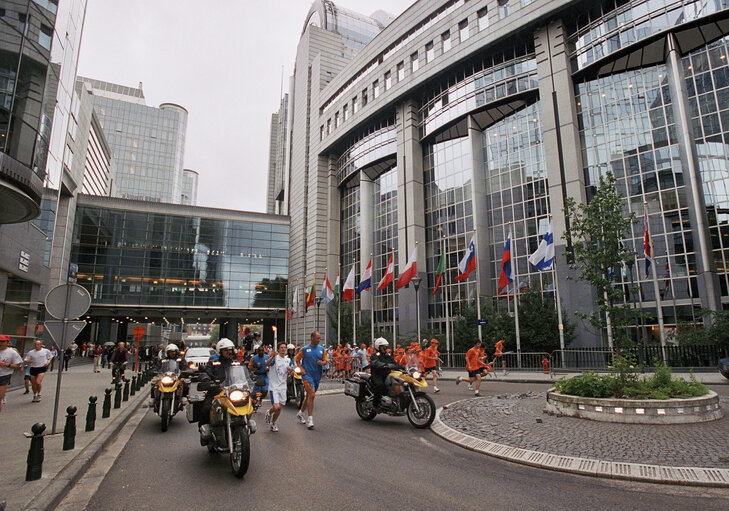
(222, 61)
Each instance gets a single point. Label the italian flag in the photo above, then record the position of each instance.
(440, 270)
(310, 295)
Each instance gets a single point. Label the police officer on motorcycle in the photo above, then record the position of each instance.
(381, 363)
(212, 374)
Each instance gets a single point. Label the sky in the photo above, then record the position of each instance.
(222, 60)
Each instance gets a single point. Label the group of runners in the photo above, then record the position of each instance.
(478, 366)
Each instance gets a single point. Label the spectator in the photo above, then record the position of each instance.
(73, 347)
(97, 358)
(83, 349)
(67, 355)
(39, 359)
(10, 360)
(54, 352)
(105, 357)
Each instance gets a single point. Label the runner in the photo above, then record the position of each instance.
(474, 366)
(278, 368)
(310, 359)
(499, 354)
(39, 359)
(9, 361)
(430, 363)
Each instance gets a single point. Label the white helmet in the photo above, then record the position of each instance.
(224, 344)
(380, 341)
(171, 347)
(290, 347)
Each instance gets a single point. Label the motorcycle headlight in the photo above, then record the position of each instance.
(238, 395)
(167, 380)
(416, 375)
(191, 365)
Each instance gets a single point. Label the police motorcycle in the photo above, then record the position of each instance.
(724, 367)
(403, 396)
(231, 422)
(168, 391)
(295, 385)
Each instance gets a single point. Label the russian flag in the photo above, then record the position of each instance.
(366, 281)
(468, 263)
(507, 274)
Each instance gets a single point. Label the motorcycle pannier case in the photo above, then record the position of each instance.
(354, 388)
(193, 411)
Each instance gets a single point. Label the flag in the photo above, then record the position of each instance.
(365, 282)
(440, 270)
(411, 269)
(311, 294)
(295, 302)
(348, 290)
(468, 263)
(667, 284)
(507, 275)
(389, 275)
(647, 246)
(327, 294)
(543, 257)
(336, 287)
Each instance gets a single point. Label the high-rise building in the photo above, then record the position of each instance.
(147, 143)
(463, 116)
(277, 152)
(189, 187)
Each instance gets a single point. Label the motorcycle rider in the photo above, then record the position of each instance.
(291, 353)
(213, 373)
(381, 363)
(172, 352)
(257, 367)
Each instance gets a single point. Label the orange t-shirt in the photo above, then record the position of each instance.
(498, 347)
(473, 359)
(430, 357)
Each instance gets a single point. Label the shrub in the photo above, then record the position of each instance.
(588, 384)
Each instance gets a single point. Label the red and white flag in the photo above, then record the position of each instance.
(348, 289)
(389, 275)
(411, 269)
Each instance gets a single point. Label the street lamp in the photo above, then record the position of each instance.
(318, 303)
(416, 282)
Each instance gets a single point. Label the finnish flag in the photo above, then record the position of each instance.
(543, 257)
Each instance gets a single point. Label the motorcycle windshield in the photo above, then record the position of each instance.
(236, 375)
(170, 366)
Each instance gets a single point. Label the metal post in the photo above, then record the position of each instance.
(133, 388)
(125, 395)
(106, 407)
(34, 469)
(61, 350)
(318, 304)
(416, 283)
(69, 431)
(515, 268)
(117, 395)
(91, 414)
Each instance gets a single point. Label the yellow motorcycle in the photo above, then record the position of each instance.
(403, 397)
(295, 388)
(231, 423)
(167, 392)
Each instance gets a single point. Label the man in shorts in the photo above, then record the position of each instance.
(474, 366)
(430, 363)
(10, 360)
(310, 359)
(279, 367)
(39, 360)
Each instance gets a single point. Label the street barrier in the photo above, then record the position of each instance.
(106, 407)
(34, 469)
(125, 394)
(91, 414)
(69, 431)
(117, 395)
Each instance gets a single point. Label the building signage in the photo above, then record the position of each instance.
(24, 261)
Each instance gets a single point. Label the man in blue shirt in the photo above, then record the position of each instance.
(257, 366)
(310, 359)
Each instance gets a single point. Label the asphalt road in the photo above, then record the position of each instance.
(347, 463)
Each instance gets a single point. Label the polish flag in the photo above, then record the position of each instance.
(389, 274)
(411, 269)
(348, 290)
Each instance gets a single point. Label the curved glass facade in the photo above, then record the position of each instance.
(370, 148)
(385, 241)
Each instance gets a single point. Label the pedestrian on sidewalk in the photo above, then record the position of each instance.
(474, 366)
(97, 358)
(279, 367)
(10, 360)
(430, 362)
(39, 360)
(311, 358)
(66, 358)
(54, 352)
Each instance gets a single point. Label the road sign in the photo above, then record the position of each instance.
(139, 332)
(55, 330)
(483, 322)
(79, 301)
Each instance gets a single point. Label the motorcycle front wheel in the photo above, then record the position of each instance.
(240, 456)
(165, 414)
(299, 395)
(365, 410)
(423, 416)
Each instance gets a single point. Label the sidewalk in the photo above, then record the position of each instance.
(19, 414)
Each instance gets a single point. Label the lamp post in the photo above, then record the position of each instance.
(416, 282)
(318, 303)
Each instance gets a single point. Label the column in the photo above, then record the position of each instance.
(334, 242)
(480, 214)
(366, 241)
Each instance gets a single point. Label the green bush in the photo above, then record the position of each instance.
(588, 384)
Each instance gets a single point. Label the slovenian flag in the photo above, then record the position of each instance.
(647, 246)
(543, 257)
(507, 274)
(468, 263)
(411, 269)
(348, 289)
(366, 281)
(389, 275)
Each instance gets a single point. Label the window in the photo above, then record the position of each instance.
(25, 20)
(445, 38)
(45, 36)
(376, 89)
(524, 3)
(414, 64)
(388, 80)
(345, 112)
(329, 126)
(321, 133)
(429, 52)
(504, 9)
(355, 105)
(483, 18)
(463, 30)
(336, 120)
(364, 98)
(400, 71)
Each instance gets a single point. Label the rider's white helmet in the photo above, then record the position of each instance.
(381, 341)
(223, 344)
(171, 347)
(290, 347)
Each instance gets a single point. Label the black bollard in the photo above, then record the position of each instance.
(106, 408)
(125, 395)
(138, 384)
(35, 454)
(117, 395)
(69, 432)
(133, 388)
(91, 414)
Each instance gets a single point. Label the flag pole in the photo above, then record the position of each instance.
(286, 323)
(478, 286)
(354, 302)
(656, 291)
(372, 311)
(394, 305)
(516, 297)
(560, 322)
(449, 341)
(339, 305)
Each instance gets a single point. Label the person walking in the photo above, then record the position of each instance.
(310, 359)
(10, 360)
(54, 353)
(279, 367)
(97, 358)
(430, 363)
(474, 366)
(66, 358)
(39, 359)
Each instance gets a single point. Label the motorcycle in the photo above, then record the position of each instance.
(724, 367)
(403, 397)
(295, 388)
(231, 423)
(167, 392)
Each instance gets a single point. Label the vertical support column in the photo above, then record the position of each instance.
(479, 206)
(563, 155)
(333, 238)
(410, 212)
(366, 240)
(3, 289)
(708, 281)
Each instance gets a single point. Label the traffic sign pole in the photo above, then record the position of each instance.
(138, 332)
(60, 364)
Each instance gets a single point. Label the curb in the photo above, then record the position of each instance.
(690, 476)
(50, 496)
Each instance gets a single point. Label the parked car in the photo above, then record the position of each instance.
(197, 357)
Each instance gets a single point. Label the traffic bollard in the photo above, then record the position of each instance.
(125, 395)
(139, 382)
(106, 407)
(117, 395)
(91, 414)
(133, 387)
(69, 431)
(35, 453)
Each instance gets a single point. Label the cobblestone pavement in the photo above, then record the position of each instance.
(511, 419)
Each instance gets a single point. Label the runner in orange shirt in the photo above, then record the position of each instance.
(499, 354)
(474, 366)
(430, 363)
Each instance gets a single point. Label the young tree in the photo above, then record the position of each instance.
(539, 323)
(596, 253)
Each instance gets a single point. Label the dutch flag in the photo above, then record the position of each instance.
(366, 280)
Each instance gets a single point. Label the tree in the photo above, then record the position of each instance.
(595, 251)
(539, 322)
(465, 327)
(215, 333)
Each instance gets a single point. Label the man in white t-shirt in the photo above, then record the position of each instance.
(10, 360)
(39, 359)
(278, 369)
